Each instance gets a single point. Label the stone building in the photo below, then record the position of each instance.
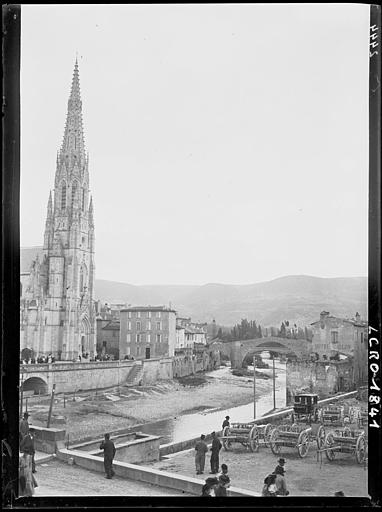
(108, 338)
(57, 313)
(147, 332)
(332, 335)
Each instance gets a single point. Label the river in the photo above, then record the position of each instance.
(184, 427)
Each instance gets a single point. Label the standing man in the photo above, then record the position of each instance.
(215, 449)
(108, 455)
(24, 426)
(225, 422)
(281, 464)
(200, 454)
(27, 448)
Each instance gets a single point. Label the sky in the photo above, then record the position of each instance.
(227, 143)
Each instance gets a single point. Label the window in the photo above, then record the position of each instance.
(148, 314)
(129, 326)
(334, 335)
(159, 326)
(148, 325)
(74, 192)
(139, 339)
(159, 338)
(128, 338)
(158, 314)
(129, 314)
(63, 196)
(61, 323)
(138, 326)
(149, 338)
(104, 344)
(138, 314)
(361, 337)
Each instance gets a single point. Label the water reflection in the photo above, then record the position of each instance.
(191, 425)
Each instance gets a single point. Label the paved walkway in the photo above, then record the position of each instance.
(57, 478)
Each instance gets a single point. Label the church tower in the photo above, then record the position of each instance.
(66, 273)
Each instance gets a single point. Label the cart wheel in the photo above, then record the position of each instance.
(329, 441)
(360, 449)
(254, 439)
(276, 448)
(267, 433)
(303, 444)
(320, 437)
(226, 442)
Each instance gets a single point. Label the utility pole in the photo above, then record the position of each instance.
(274, 382)
(51, 406)
(254, 388)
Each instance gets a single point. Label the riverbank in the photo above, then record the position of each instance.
(90, 415)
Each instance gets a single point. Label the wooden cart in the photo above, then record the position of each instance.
(246, 434)
(292, 436)
(345, 441)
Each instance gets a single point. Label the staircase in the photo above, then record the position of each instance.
(134, 376)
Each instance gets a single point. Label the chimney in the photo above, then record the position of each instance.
(357, 317)
(323, 314)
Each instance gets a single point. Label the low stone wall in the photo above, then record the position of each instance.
(47, 440)
(143, 474)
(156, 369)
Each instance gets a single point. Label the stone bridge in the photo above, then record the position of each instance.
(238, 350)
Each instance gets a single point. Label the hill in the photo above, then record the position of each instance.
(295, 298)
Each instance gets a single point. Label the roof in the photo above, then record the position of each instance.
(114, 325)
(359, 323)
(27, 256)
(149, 308)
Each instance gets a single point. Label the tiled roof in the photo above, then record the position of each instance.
(149, 308)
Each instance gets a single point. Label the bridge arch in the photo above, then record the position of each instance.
(241, 349)
(35, 384)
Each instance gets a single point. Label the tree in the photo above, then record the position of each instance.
(220, 333)
(282, 330)
(260, 334)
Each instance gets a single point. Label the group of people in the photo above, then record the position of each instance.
(274, 483)
(27, 464)
(39, 360)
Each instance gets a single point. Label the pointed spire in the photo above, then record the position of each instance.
(73, 145)
(50, 203)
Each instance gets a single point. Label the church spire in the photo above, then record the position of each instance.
(73, 146)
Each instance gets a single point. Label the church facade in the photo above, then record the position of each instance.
(57, 310)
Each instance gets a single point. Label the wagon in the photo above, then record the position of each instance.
(261, 435)
(246, 434)
(332, 415)
(305, 407)
(345, 441)
(292, 436)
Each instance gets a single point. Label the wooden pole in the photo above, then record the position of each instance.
(274, 383)
(254, 388)
(51, 406)
(64, 401)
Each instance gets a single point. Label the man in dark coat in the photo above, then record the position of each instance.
(200, 454)
(27, 446)
(24, 426)
(215, 449)
(225, 422)
(281, 464)
(108, 455)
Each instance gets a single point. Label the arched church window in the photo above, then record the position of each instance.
(63, 196)
(81, 279)
(74, 191)
(83, 199)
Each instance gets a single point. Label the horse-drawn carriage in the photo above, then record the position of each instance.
(305, 408)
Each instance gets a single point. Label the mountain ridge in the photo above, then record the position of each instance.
(297, 298)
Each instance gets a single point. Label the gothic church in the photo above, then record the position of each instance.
(57, 312)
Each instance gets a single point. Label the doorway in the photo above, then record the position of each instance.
(148, 353)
